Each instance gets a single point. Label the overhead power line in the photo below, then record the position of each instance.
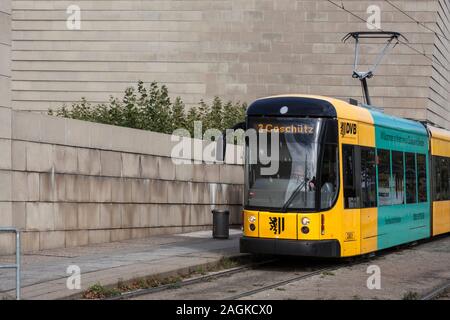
(417, 21)
(342, 7)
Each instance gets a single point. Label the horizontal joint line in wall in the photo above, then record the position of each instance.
(124, 203)
(121, 177)
(125, 228)
(115, 20)
(196, 61)
(108, 10)
(178, 83)
(236, 52)
(103, 91)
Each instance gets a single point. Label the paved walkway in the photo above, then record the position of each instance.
(44, 273)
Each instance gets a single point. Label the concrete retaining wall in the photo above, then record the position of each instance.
(77, 183)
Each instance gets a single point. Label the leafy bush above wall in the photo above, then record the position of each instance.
(150, 108)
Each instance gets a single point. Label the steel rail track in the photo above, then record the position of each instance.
(199, 279)
(279, 284)
(187, 282)
(436, 292)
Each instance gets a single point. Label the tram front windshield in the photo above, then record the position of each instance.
(296, 156)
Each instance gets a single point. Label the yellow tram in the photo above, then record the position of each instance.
(351, 180)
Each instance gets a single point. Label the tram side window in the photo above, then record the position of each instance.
(422, 177)
(368, 178)
(410, 177)
(436, 179)
(442, 178)
(445, 180)
(384, 174)
(398, 188)
(350, 192)
(328, 191)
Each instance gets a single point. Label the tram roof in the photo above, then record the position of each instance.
(439, 133)
(321, 106)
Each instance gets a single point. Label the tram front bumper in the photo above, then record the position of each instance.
(305, 248)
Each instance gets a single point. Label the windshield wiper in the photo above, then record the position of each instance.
(293, 195)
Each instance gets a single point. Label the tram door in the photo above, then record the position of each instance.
(368, 205)
(352, 200)
(359, 176)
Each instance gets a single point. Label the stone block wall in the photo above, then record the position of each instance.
(439, 94)
(235, 49)
(76, 183)
(6, 240)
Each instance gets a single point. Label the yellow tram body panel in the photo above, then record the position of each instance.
(369, 230)
(359, 226)
(356, 233)
(441, 217)
(277, 226)
(440, 146)
(440, 142)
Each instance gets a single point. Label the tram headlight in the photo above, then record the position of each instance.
(305, 230)
(251, 219)
(305, 221)
(252, 227)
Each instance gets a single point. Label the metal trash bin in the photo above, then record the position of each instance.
(221, 223)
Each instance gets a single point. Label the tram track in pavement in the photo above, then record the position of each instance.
(266, 275)
(308, 268)
(437, 292)
(191, 281)
(440, 292)
(279, 283)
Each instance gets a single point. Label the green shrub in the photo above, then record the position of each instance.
(150, 108)
(410, 295)
(97, 291)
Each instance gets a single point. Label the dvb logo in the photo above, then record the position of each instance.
(348, 128)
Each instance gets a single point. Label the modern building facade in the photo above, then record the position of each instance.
(235, 49)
